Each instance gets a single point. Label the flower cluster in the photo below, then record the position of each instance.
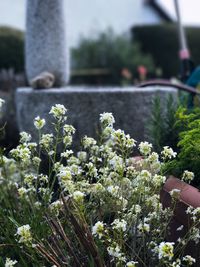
(145, 148)
(59, 111)
(10, 263)
(107, 119)
(39, 123)
(168, 153)
(99, 200)
(166, 250)
(97, 229)
(1, 103)
(24, 234)
(188, 176)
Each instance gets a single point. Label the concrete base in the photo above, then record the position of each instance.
(130, 106)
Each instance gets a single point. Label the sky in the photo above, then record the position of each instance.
(12, 13)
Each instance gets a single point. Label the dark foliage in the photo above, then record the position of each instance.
(161, 41)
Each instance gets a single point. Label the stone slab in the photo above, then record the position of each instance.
(130, 106)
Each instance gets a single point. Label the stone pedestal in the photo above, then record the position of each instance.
(130, 106)
(46, 44)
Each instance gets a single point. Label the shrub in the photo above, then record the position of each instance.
(11, 49)
(110, 52)
(162, 129)
(105, 210)
(188, 125)
(161, 41)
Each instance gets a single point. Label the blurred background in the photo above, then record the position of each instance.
(112, 42)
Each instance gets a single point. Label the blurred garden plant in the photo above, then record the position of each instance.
(113, 53)
(162, 129)
(188, 125)
(99, 207)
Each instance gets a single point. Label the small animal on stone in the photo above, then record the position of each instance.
(44, 80)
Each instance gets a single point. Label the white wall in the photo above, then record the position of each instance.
(97, 15)
(87, 17)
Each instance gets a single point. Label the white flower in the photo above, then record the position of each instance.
(115, 252)
(188, 176)
(175, 193)
(25, 137)
(158, 179)
(180, 228)
(22, 191)
(78, 196)
(92, 170)
(122, 139)
(37, 204)
(55, 207)
(168, 153)
(107, 132)
(10, 263)
(88, 142)
(113, 190)
(39, 123)
(75, 169)
(25, 234)
(43, 178)
(136, 208)
(1, 103)
(46, 141)
(116, 163)
(196, 213)
(189, 260)
(65, 174)
(67, 153)
(130, 142)
(144, 227)
(36, 161)
(153, 157)
(145, 148)
(189, 210)
(176, 263)
(132, 264)
(58, 111)
(119, 225)
(107, 119)
(166, 250)
(67, 140)
(145, 175)
(32, 145)
(29, 179)
(97, 229)
(68, 129)
(98, 188)
(21, 153)
(82, 155)
(51, 153)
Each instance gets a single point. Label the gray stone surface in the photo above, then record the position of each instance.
(130, 106)
(46, 46)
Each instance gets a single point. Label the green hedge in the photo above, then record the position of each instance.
(161, 41)
(11, 49)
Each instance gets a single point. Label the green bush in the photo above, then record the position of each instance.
(161, 41)
(188, 125)
(11, 49)
(110, 52)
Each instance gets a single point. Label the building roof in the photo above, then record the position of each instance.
(160, 10)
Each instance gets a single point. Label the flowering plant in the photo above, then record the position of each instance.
(98, 207)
